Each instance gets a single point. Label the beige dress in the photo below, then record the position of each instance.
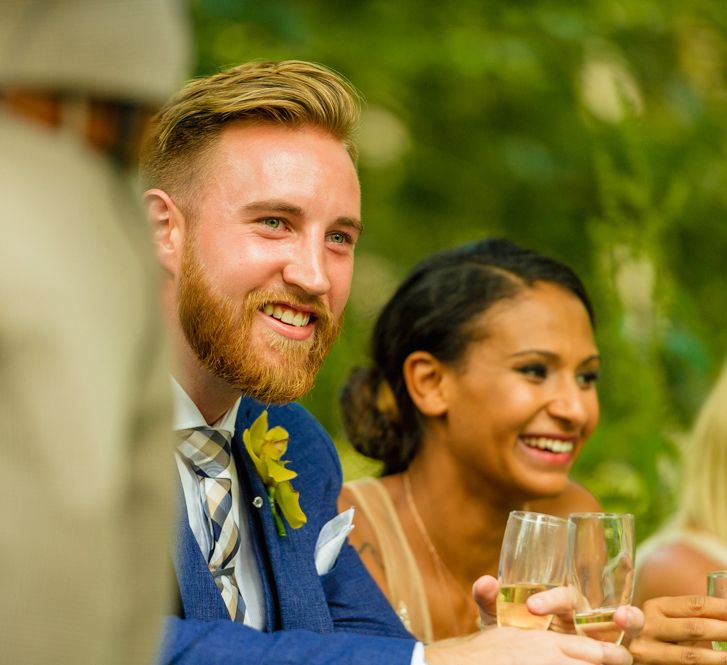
(406, 590)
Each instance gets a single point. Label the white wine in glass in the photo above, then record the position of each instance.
(512, 610)
(601, 571)
(598, 624)
(533, 558)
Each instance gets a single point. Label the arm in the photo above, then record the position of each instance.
(511, 646)
(363, 539)
(222, 642)
(189, 642)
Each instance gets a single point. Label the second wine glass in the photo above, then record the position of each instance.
(717, 586)
(601, 571)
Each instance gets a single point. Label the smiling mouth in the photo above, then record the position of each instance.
(551, 445)
(293, 317)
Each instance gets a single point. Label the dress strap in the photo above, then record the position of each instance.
(407, 593)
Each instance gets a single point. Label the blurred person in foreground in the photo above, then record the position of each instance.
(255, 208)
(85, 409)
(480, 397)
(677, 558)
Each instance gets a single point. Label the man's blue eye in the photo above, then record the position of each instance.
(272, 222)
(340, 238)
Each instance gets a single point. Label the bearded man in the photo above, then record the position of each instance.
(255, 207)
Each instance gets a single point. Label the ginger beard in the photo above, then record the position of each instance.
(271, 368)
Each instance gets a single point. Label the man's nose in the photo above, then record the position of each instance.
(308, 270)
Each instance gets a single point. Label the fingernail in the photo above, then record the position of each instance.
(535, 604)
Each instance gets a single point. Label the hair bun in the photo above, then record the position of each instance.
(370, 414)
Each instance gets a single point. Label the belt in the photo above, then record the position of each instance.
(111, 126)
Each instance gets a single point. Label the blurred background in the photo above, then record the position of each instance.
(593, 131)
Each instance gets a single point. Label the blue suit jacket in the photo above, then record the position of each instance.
(339, 617)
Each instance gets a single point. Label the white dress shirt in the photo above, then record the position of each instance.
(186, 416)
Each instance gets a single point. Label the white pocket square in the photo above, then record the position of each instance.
(331, 539)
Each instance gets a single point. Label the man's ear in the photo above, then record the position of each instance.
(168, 227)
(424, 375)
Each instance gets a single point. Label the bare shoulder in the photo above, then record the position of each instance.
(363, 529)
(363, 537)
(573, 499)
(675, 569)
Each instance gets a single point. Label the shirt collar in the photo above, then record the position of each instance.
(187, 415)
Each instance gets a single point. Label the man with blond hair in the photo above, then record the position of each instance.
(254, 202)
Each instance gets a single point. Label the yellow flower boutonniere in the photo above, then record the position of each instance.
(266, 447)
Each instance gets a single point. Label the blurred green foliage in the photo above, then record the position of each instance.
(594, 131)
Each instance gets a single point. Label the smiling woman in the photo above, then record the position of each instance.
(481, 396)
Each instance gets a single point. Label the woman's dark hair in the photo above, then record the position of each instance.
(434, 310)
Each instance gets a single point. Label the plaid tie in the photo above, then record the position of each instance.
(208, 451)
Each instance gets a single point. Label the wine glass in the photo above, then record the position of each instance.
(533, 558)
(717, 586)
(601, 571)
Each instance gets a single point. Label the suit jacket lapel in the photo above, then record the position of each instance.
(289, 559)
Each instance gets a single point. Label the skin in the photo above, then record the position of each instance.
(675, 626)
(278, 208)
(474, 466)
(673, 570)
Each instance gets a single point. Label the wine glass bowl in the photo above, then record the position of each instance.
(533, 558)
(600, 571)
(717, 587)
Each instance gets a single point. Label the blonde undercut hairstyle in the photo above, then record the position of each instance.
(292, 93)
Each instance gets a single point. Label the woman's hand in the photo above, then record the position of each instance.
(674, 627)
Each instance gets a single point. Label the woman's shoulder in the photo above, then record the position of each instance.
(365, 537)
(672, 568)
(573, 499)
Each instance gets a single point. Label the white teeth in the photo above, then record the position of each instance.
(287, 315)
(553, 445)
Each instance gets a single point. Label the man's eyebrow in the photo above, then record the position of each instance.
(274, 205)
(355, 224)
